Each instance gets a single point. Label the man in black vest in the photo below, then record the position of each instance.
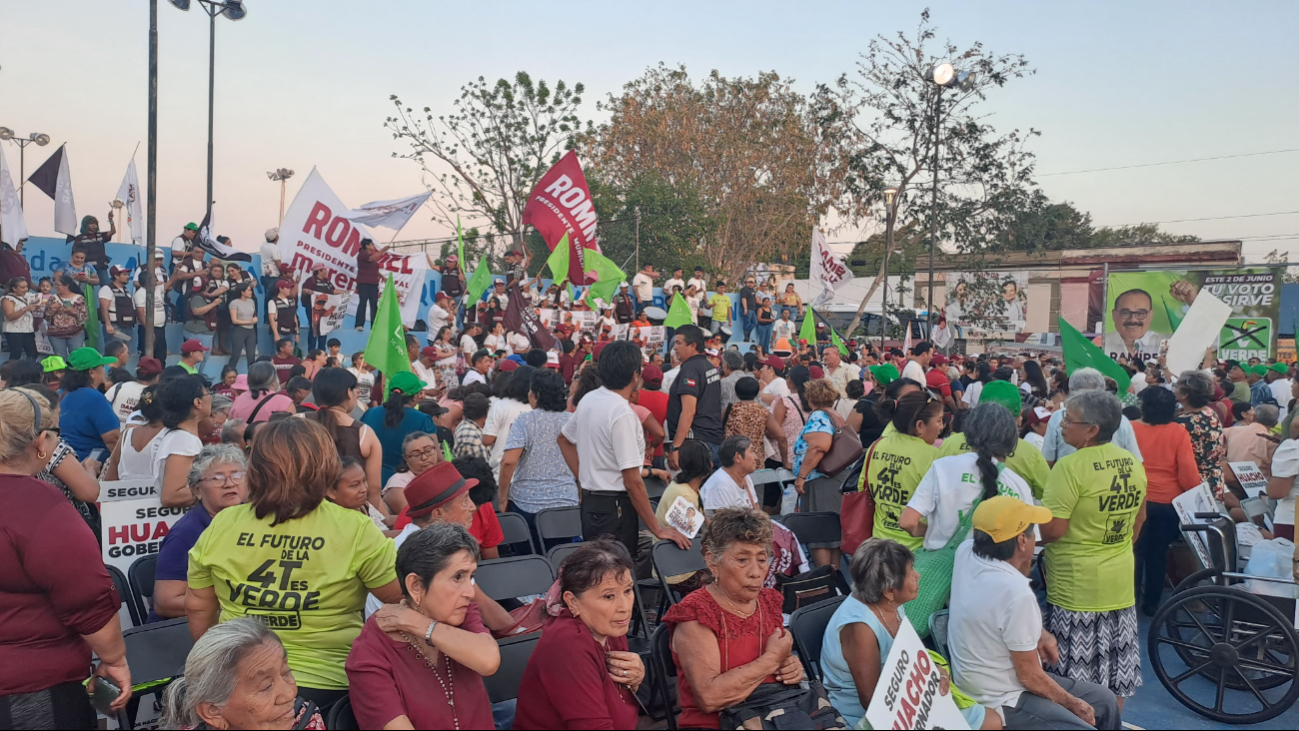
(116, 305)
(695, 400)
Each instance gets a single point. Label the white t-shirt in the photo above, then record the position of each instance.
(106, 293)
(179, 245)
(428, 375)
(159, 305)
(399, 480)
(1285, 463)
(468, 345)
(438, 318)
(777, 388)
(644, 286)
(982, 633)
(914, 371)
(171, 442)
(1037, 440)
(519, 343)
(609, 439)
(125, 397)
(270, 259)
(668, 285)
(500, 417)
(720, 491)
(950, 487)
(133, 465)
(494, 342)
(668, 377)
(1281, 392)
(971, 396)
(473, 376)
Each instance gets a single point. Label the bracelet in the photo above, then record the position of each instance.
(428, 634)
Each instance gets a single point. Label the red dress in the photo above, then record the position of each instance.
(567, 685)
(740, 641)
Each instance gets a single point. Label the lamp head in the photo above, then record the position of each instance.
(180, 4)
(235, 10)
(890, 196)
(41, 140)
(6, 133)
(965, 80)
(942, 74)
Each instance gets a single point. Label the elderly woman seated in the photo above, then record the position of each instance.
(217, 480)
(861, 631)
(237, 676)
(581, 674)
(728, 638)
(420, 663)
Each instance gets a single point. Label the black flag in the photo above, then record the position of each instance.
(217, 246)
(523, 319)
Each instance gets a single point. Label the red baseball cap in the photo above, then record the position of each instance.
(595, 351)
(191, 346)
(652, 375)
(775, 361)
(149, 366)
(938, 359)
(507, 365)
(816, 372)
(428, 351)
(437, 486)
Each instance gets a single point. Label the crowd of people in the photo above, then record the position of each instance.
(336, 516)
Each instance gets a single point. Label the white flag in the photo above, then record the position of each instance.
(129, 195)
(391, 214)
(54, 179)
(828, 268)
(13, 228)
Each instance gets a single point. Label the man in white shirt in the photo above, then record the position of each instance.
(1278, 380)
(480, 364)
(997, 648)
(918, 362)
(732, 486)
(604, 445)
(782, 328)
(838, 372)
(425, 368)
(159, 310)
(439, 316)
(498, 291)
(675, 281)
(270, 263)
(1054, 446)
(643, 284)
(181, 245)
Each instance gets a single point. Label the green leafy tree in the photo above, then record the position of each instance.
(483, 159)
(1142, 234)
(1051, 227)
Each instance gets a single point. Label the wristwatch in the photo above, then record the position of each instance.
(669, 448)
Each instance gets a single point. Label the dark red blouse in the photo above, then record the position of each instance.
(740, 641)
(53, 588)
(367, 267)
(567, 685)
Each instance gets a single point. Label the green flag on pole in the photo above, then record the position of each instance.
(808, 330)
(608, 272)
(460, 242)
(92, 319)
(478, 282)
(558, 261)
(386, 348)
(837, 342)
(1079, 352)
(679, 312)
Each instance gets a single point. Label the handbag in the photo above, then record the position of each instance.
(857, 514)
(779, 706)
(845, 447)
(807, 588)
(937, 567)
(527, 619)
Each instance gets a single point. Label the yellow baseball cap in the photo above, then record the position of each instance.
(1003, 517)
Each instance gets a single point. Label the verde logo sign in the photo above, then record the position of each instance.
(1243, 338)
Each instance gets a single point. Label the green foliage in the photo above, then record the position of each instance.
(673, 222)
(1144, 234)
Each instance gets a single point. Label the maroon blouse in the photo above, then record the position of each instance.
(567, 685)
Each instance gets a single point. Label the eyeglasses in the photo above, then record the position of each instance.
(1137, 314)
(1066, 421)
(424, 453)
(230, 479)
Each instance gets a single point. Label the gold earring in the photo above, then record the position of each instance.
(40, 454)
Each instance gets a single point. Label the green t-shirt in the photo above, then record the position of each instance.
(1099, 490)
(721, 305)
(896, 467)
(1026, 461)
(192, 370)
(307, 578)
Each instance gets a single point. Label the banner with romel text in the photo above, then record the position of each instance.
(1144, 309)
(560, 204)
(317, 230)
(908, 692)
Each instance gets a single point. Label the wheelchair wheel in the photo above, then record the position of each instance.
(1225, 654)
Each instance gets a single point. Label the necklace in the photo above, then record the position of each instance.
(734, 607)
(448, 686)
(897, 616)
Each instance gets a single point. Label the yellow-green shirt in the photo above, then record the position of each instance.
(307, 578)
(721, 305)
(1026, 461)
(897, 464)
(1099, 490)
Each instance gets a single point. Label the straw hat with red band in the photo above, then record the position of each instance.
(438, 486)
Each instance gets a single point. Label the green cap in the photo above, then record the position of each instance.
(1258, 370)
(408, 383)
(1004, 393)
(54, 363)
(1281, 368)
(885, 373)
(191, 226)
(83, 359)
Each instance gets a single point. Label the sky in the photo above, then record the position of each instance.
(302, 84)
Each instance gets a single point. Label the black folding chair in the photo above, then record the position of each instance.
(654, 488)
(815, 530)
(506, 578)
(664, 672)
(141, 575)
(557, 554)
(669, 560)
(558, 525)
(515, 652)
(516, 532)
(341, 717)
(124, 591)
(156, 654)
(808, 625)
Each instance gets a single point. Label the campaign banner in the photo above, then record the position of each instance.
(987, 302)
(908, 694)
(335, 312)
(1252, 480)
(316, 230)
(827, 268)
(1144, 309)
(1198, 499)
(134, 524)
(560, 205)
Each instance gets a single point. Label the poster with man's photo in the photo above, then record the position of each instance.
(987, 302)
(1144, 309)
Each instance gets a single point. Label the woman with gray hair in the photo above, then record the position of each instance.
(1194, 391)
(216, 479)
(1097, 497)
(237, 676)
(1055, 447)
(860, 633)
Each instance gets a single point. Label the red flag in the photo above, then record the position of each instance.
(561, 204)
(521, 318)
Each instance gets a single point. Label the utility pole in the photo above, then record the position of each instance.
(151, 218)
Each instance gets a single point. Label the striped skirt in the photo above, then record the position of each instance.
(1098, 647)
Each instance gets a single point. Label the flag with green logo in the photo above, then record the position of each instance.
(679, 313)
(478, 282)
(386, 348)
(1079, 352)
(808, 330)
(92, 318)
(608, 272)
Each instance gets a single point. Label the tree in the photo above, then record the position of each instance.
(750, 149)
(483, 160)
(1052, 227)
(885, 117)
(674, 223)
(1142, 234)
(1281, 258)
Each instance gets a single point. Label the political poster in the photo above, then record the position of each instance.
(1144, 309)
(685, 517)
(987, 302)
(134, 524)
(1252, 480)
(1188, 504)
(908, 694)
(317, 230)
(335, 312)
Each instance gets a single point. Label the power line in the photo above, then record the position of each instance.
(1170, 162)
(1210, 218)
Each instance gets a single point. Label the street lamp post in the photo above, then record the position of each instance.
(282, 175)
(942, 76)
(41, 140)
(151, 184)
(234, 10)
(891, 206)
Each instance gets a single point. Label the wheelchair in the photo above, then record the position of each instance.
(1223, 652)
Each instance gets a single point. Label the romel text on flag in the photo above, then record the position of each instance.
(560, 204)
(53, 178)
(827, 268)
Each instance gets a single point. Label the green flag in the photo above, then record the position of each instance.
(608, 272)
(92, 319)
(479, 281)
(1080, 353)
(679, 313)
(460, 242)
(838, 343)
(808, 330)
(446, 452)
(1174, 314)
(386, 348)
(558, 261)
